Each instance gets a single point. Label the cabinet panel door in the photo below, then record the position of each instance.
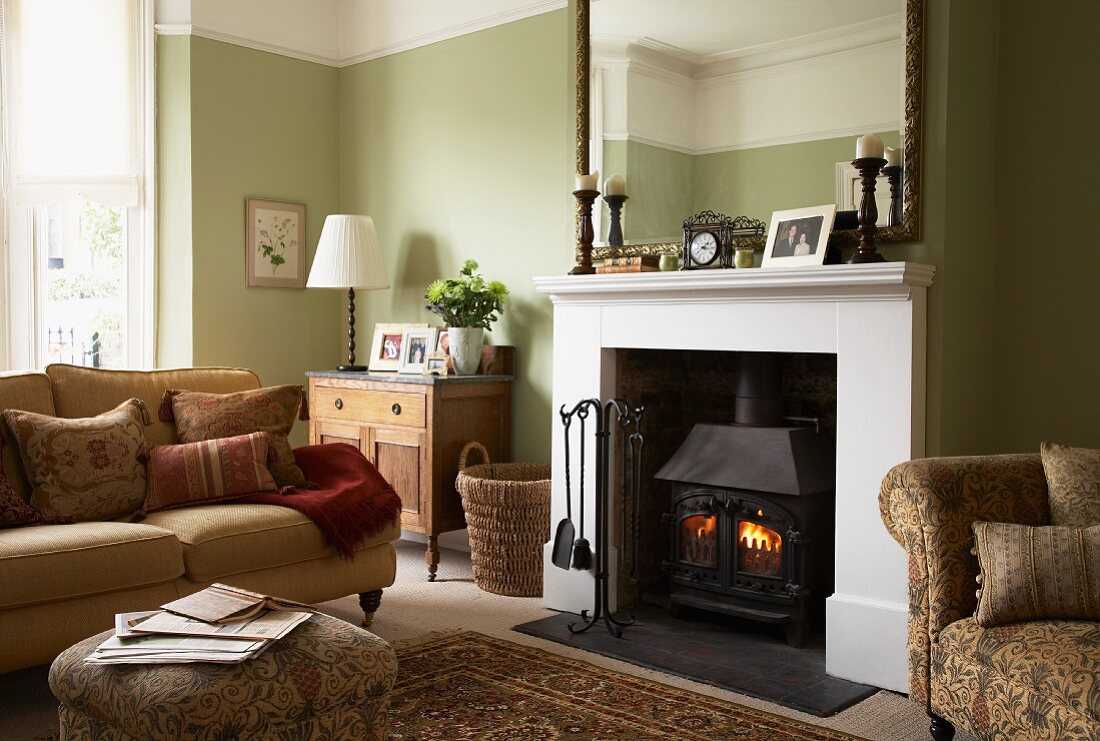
(327, 432)
(396, 454)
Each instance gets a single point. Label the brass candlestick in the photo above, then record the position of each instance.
(585, 199)
(615, 231)
(868, 168)
(893, 174)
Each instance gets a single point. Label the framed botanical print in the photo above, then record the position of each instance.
(275, 243)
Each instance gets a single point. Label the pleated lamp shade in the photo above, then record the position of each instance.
(348, 255)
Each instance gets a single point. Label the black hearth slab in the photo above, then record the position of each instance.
(736, 656)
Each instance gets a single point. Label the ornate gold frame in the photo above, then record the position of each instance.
(908, 231)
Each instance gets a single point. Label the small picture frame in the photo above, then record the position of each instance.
(437, 364)
(386, 347)
(416, 346)
(442, 341)
(799, 236)
(275, 243)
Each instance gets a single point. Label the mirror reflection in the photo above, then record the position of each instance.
(743, 107)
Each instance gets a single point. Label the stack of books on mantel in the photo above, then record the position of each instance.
(220, 624)
(636, 264)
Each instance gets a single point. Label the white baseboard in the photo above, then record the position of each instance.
(866, 641)
(458, 540)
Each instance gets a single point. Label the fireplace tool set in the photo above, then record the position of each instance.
(571, 548)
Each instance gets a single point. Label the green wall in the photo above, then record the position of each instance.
(262, 125)
(463, 149)
(660, 183)
(1046, 356)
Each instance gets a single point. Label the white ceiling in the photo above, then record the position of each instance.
(717, 27)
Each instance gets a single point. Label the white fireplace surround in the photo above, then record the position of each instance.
(871, 316)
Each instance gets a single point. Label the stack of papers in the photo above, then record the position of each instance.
(161, 637)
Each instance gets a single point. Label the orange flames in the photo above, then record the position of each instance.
(758, 538)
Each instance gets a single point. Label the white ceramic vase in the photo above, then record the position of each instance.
(466, 348)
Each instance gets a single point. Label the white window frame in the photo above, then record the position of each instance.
(21, 279)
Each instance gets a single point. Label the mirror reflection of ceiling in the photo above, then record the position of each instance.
(708, 29)
(740, 106)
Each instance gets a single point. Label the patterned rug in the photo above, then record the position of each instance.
(471, 686)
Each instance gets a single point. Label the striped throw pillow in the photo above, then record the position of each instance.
(1037, 573)
(207, 471)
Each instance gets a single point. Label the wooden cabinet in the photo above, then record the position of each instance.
(413, 429)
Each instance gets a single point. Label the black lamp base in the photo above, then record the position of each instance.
(352, 368)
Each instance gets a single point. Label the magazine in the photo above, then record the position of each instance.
(221, 603)
(268, 625)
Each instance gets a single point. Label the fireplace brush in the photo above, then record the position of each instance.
(630, 424)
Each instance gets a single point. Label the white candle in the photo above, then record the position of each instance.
(615, 186)
(893, 157)
(588, 182)
(870, 145)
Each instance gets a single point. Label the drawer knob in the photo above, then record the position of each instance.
(339, 403)
(396, 408)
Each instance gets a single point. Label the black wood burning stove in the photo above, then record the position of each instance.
(752, 513)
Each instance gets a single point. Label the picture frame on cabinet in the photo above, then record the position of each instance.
(416, 346)
(386, 347)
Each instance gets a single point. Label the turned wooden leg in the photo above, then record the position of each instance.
(369, 602)
(431, 556)
(941, 728)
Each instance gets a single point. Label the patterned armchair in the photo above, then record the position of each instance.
(1034, 680)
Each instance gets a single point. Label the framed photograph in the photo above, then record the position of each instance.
(275, 243)
(799, 236)
(437, 364)
(386, 347)
(416, 346)
(442, 342)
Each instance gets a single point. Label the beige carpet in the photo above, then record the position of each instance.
(413, 607)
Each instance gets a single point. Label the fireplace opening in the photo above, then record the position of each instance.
(737, 508)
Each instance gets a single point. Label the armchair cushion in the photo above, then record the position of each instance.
(1034, 573)
(1073, 477)
(1034, 680)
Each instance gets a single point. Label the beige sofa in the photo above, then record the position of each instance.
(62, 583)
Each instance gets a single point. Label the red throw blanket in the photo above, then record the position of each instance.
(352, 501)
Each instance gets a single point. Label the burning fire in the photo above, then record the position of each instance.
(758, 538)
(699, 540)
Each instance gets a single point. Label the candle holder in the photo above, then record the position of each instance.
(585, 235)
(893, 174)
(615, 231)
(868, 169)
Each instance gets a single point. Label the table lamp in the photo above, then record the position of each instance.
(348, 256)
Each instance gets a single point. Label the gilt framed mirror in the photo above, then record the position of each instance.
(745, 107)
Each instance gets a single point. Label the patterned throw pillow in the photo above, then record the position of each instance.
(1073, 483)
(91, 469)
(1034, 573)
(14, 512)
(201, 416)
(207, 471)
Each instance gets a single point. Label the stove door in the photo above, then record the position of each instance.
(699, 537)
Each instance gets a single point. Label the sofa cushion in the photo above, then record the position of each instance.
(16, 512)
(1037, 573)
(1073, 482)
(46, 563)
(30, 392)
(85, 392)
(208, 471)
(1058, 659)
(204, 416)
(91, 468)
(226, 539)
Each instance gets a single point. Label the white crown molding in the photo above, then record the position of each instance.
(497, 19)
(181, 29)
(808, 136)
(461, 29)
(795, 66)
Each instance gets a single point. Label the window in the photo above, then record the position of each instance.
(77, 174)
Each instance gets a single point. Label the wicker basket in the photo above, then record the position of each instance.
(508, 516)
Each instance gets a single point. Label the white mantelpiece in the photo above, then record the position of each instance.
(871, 316)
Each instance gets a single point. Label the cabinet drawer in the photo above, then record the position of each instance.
(370, 407)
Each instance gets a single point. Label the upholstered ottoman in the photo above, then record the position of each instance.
(326, 680)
